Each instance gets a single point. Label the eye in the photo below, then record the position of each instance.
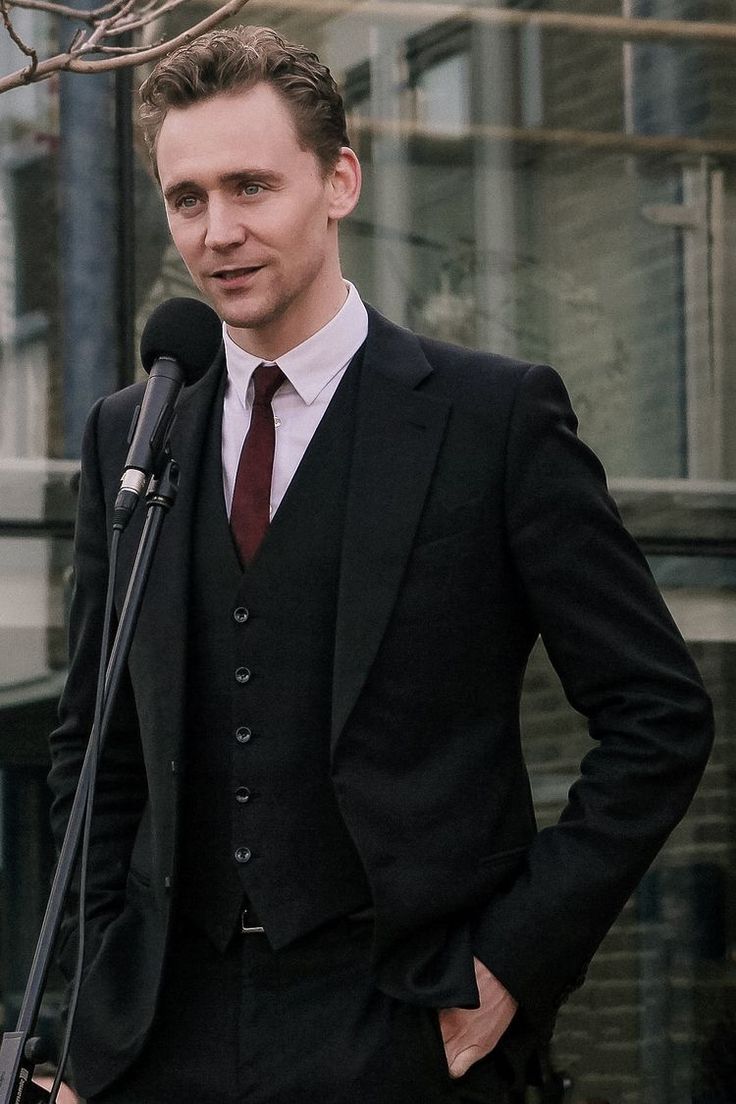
(186, 202)
(251, 189)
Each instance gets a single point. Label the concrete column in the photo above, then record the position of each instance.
(88, 246)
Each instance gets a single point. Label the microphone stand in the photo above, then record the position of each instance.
(20, 1050)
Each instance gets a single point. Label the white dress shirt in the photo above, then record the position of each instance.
(313, 372)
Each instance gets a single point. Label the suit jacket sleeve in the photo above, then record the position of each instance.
(622, 664)
(121, 786)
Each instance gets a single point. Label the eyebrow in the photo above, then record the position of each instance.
(268, 176)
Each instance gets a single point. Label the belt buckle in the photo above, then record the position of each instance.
(249, 929)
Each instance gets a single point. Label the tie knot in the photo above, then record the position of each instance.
(267, 379)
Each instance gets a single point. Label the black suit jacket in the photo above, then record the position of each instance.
(476, 520)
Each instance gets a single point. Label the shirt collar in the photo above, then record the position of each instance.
(308, 367)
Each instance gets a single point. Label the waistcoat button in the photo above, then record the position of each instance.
(243, 854)
(242, 794)
(241, 615)
(242, 675)
(243, 734)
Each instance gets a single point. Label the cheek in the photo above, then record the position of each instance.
(312, 237)
(308, 221)
(185, 241)
(299, 244)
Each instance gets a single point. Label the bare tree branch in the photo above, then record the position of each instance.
(135, 21)
(122, 50)
(31, 69)
(112, 19)
(80, 14)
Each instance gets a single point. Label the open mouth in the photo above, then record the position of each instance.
(233, 275)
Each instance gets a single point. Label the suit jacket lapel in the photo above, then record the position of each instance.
(398, 435)
(162, 627)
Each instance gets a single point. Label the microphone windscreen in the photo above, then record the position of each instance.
(186, 330)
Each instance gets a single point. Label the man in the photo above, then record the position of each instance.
(314, 872)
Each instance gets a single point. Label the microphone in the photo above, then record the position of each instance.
(179, 342)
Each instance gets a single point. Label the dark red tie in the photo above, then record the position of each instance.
(251, 510)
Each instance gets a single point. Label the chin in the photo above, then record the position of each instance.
(254, 318)
(245, 321)
(242, 315)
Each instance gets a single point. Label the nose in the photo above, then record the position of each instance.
(225, 227)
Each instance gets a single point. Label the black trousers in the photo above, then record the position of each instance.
(298, 1026)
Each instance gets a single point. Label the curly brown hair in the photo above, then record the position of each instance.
(235, 59)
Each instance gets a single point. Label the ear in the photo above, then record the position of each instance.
(344, 181)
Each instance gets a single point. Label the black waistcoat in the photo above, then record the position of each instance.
(259, 811)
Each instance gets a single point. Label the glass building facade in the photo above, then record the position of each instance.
(551, 180)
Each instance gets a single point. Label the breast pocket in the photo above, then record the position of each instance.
(501, 866)
(441, 522)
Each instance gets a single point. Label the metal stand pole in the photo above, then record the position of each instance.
(20, 1051)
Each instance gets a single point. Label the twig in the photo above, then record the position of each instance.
(138, 20)
(146, 7)
(77, 39)
(103, 26)
(80, 14)
(122, 49)
(29, 72)
(90, 45)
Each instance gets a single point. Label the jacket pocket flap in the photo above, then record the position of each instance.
(509, 857)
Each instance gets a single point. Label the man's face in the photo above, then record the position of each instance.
(254, 216)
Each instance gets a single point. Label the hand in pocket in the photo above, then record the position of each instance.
(469, 1034)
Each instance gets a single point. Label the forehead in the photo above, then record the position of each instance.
(251, 127)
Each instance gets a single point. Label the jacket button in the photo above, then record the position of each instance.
(242, 675)
(243, 734)
(242, 794)
(241, 615)
(243, 854)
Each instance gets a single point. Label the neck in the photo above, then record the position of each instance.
(295, 326)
